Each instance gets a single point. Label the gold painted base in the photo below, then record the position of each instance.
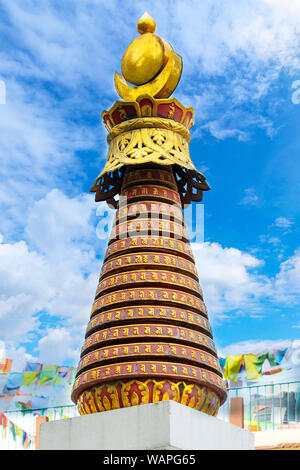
(125, 393)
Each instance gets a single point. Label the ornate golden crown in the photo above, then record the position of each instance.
(149, 127)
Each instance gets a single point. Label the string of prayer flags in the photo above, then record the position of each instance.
(15, 431)
(254, 366)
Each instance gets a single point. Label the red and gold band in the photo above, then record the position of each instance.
(130, 278)
(146, 313)
(148, 226)
(150, 331)
(147, 369)
(162, 351)
(152, 259)
(159, 295)
(146, 176)
(164, 244)
(153, 208)
(153, 191)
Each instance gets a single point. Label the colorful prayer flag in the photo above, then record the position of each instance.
(4, 424)
(63, 375)
(13, 429)
(25, 438)
(5, 365)
(279, 354)
(31, 372)
(48, 373)
(261, 359)
(252, 371)
(72, 375)
(24, 405)
(232, 367)
(14, 380)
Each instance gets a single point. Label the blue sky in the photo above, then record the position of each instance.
(57, 60)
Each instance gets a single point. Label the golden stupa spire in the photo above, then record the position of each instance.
(149, 63)
(148, 338)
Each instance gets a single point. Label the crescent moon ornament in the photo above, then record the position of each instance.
(162, 86)
(150, 63)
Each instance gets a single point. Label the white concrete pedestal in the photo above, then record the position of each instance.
(162, 425)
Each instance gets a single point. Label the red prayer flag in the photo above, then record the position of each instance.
(5, 365)
(26, 441)
(5, 421)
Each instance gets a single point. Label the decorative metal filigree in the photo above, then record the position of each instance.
(149, 140)
(156, 145)
(108, 186)
(190, 184)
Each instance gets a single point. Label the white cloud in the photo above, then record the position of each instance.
(229, 279)
(55, 271)
(287, 281)
(283, 222)
(57, 220)
(253, 346)
(233, 55)
(19, 357)
(57, 347)
(250, 198)
(275, 241)
(232, 283)
(37, 152)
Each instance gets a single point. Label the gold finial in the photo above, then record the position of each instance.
(146, 24)
(150, 64)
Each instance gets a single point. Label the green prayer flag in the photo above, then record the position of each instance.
(261, 359)
(29, 377)
(47, 373)
(13, 429)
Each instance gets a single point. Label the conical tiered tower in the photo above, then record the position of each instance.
(148, 338)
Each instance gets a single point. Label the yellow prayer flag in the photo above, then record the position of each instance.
(232, 367)
(252, 371)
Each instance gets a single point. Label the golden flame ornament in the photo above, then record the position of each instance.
(150, 64)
